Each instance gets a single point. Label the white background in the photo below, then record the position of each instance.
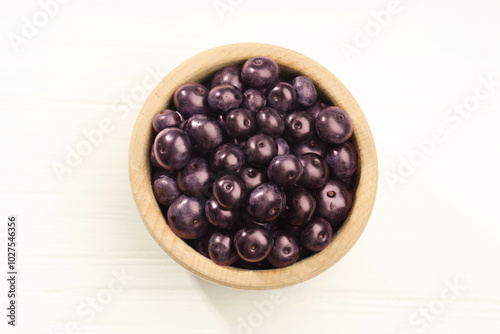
(438, 226)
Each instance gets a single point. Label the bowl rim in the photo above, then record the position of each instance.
(200, 67)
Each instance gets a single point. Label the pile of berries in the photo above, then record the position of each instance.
(255, 171)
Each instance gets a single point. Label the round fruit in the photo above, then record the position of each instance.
(227, 158)
(172, 148)
(334, 201)
(228, 75)
(205, 133)
(253, 244)
(260, 149)
(219, 216)
(285, 251)
(311, 145)
(317, 235)
(229, 191)
(266, 202)
(259, 71)
(253, 100)
(306, 92)
(252, 177)
(165, 189)
(270, 122)
(333, 125)
(224, 97)
(196, 177)
(165, 119)
(343, 160)
(186, 217)
(316, 171)
(281, 97)
(283, 147)
(190, 99)
(300, 207)
(284, 170)
(299, 126)
(240, 123)
(221, 249)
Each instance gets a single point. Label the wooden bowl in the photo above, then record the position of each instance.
(201, 67)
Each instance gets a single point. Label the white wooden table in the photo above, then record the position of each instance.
(428, 261)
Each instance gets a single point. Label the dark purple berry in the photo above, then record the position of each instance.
(165, 119)
(240, 123)
(259, 71)
(343, 160)
(253, 244)
(334, 201)
(219, 216)
(284, 170)
(190, 99)
(205, 133)
(186, 217)
(317, 234)
(229, 191)
(270, 122)
(283, 147)
(195, 178)
(252, 177)
(333, 125)
(165, 189)
(228, 75)
(266, 202)
(285, 251)
(315, 172)
(306, 92)
(315, 109)
(224, 97)
(281, 97)
(152, 158)
(300, 207)
(172, 148)
(311, 145)
(221, 248)
(299, 126)
(227, 158)
(260, 149)
(253, 100)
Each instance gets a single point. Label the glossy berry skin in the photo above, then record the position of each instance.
(259, 71)
(229, 191)
(283, 147)
(190, 99)
(343, 160)
(227, 158)
(224, 97)
(219, 216)
(172, 148)
(196, 177)
(285, 251)
(228, 75)
(334, 201)
(300, 207)
(306, 92)
(281, 97)
(252, 176)
(240, 123)
(265, 203)
(165, 189)
(260, 149)
(284, 170)
(253, 100)
(221, 248)
(269, 121)
(316, 171)
(317, 234)
(299, 126)
(152, 159)
(253, 244)
(201, 244)
(333, 125)
(186, 217)
(315, 109)
(165, 119)
(204, 132)
(311, 145)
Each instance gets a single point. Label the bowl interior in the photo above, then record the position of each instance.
(199, 68)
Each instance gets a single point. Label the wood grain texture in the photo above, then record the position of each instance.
(200, 67)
